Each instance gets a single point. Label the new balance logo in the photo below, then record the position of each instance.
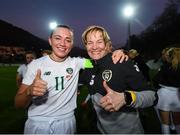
(47, 73)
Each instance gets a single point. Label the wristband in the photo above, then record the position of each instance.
(128, 98)
(133, 95)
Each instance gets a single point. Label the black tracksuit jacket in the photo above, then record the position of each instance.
(119, 77)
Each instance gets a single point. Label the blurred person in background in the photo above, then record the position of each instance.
(29, 56)
(168, 81)
(46, 52)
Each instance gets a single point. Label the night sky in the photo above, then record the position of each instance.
(34, 16)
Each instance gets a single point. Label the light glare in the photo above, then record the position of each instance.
(52, 25)
(128, 11)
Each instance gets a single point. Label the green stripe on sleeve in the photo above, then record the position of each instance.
(88, 63)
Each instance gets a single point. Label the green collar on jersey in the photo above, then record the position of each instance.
(88, 63)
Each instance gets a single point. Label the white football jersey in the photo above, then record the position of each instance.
(22, 70)
(62, 79)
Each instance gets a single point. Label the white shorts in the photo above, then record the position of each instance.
(169, 99)
(50, 126)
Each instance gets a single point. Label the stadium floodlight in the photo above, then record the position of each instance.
(52, 25)
(128, 12)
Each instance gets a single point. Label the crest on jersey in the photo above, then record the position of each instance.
(107, 75)
(69, 70)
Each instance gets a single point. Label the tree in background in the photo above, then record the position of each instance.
(164, 32)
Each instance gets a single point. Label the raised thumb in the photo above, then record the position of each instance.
(38, 74)
(106, 87)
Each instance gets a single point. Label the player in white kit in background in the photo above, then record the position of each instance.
(29, 56)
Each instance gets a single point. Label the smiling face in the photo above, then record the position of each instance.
(96, 46)
(61, 42)
(97, 42)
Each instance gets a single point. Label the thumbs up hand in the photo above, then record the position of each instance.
(113, 100)
(39, 86)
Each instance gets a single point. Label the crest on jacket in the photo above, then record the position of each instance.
(107, 75)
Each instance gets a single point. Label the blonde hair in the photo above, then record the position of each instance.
(172, 56)
(95, 28)
(46, 52)
(133, 53)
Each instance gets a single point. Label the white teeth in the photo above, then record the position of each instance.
(95, 53)
(61, 49)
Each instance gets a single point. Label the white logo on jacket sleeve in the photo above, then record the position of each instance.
(107, 75)
(92, 80)
(137, 68)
